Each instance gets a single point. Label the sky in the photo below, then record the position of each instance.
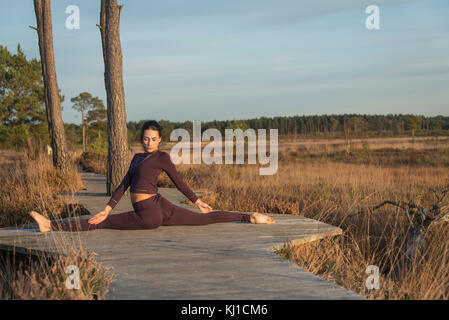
(238, 59)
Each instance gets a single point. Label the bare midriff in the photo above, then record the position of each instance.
(135, 197)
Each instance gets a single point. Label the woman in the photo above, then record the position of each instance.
(150, 209)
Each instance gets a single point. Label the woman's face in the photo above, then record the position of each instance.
(151, 140)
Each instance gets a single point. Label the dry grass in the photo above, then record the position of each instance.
(45, 278)
(34, 184)
(94, 162)
(30, 182)
(429, 152)
(332, 192)
(323, 146)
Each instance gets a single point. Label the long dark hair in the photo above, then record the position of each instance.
(153, 125)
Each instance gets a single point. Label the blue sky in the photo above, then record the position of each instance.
(229, 59)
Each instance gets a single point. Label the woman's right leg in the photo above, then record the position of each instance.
(122, 221)
(144, 216)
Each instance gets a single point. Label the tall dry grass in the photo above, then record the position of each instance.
(333, 192)
(30, 182)
(45, 278)
(94, 162)
(320, 146)
(34, 184)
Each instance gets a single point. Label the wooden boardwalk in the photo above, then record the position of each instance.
(218, 261)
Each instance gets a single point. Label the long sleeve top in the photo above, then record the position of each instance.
(142, 176)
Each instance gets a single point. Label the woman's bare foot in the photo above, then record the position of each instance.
(43, 222)
(261, 218)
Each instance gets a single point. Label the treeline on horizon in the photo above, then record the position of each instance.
(335, 125)
(307, 126)
(311, 126)
(345, 126)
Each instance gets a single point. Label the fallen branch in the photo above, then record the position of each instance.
(419, 218)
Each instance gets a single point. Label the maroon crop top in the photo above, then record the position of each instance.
(142, 176)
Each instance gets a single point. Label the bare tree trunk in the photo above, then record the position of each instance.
(51, 92)
(118, 151)
(84, 130)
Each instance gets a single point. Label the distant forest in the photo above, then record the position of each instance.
(322, 126)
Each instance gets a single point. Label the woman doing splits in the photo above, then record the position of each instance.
(150, 209)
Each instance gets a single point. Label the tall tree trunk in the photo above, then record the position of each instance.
(42, 9)
(84, 130)
(118, 151)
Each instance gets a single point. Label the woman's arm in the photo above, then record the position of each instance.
(120, 190)
(169, 167)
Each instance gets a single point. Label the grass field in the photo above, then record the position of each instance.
(30, 182)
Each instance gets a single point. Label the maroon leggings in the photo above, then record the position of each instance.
(150, 214)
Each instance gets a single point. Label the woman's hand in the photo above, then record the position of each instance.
(99, 217)
(204, 207)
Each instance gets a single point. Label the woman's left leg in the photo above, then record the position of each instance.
(182, 216)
